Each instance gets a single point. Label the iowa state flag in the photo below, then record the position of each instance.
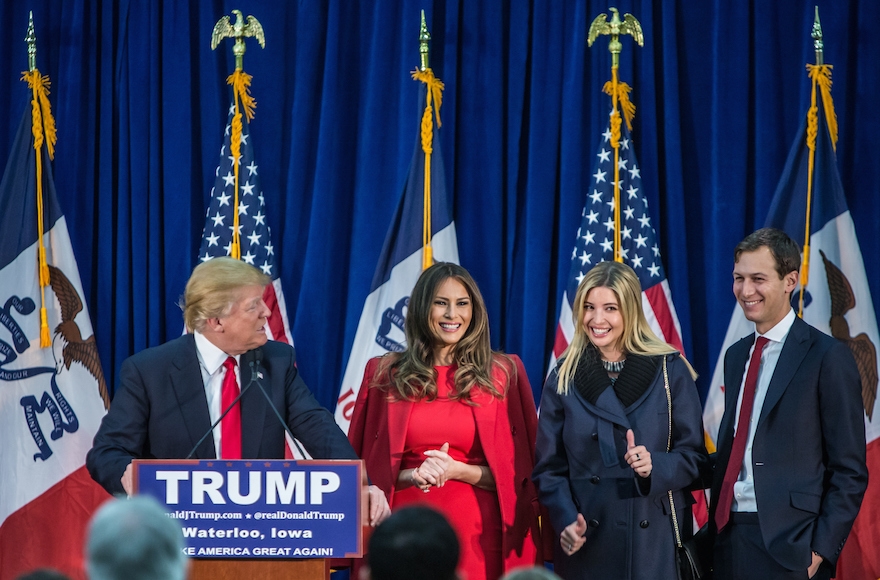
(380, 328)
(837, 302)
(51, 399)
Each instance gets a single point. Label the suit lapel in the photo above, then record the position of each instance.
(398, 423)
(733, 378)
(188, 386)
(485, 418)
(793, 352)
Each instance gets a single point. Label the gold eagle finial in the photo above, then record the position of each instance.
(615, 29)
(239, 31)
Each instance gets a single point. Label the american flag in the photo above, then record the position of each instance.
(256, 238)
(639, 248)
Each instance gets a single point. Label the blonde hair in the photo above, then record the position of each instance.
(212, 288)
(637, 336)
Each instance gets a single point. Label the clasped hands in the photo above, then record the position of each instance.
(436, 470)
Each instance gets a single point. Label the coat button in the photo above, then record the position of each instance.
(595, 479)
(644, 524)
(595, 436)
(513, 430)
(594, 523)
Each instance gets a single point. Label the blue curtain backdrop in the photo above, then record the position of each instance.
(140, 102)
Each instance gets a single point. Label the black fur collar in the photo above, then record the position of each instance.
(591, 379)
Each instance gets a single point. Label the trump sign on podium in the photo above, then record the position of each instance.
(260, 508)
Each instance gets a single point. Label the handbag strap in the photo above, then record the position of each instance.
(668, 448)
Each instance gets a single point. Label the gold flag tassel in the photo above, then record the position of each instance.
(433, 101)
(820, 78)
(241, 83)
(619, 93)
(43, 129)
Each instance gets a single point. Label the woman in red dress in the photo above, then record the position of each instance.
(451, 423)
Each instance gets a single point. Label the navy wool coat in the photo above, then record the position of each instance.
(580, 468)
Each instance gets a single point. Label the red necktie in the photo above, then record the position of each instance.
(230, 426)
(738, 451)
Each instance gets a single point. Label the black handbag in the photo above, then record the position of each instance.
(692, 555)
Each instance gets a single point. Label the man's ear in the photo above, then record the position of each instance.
(213, 325)
(791, 281)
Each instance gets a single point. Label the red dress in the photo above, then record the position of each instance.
(474, 513)
(382, 425)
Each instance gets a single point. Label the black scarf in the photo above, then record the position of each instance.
(591, 378)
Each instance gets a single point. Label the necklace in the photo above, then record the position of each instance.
(613, 367)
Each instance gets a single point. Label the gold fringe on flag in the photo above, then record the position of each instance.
(43, 129)
(241, 83)
(820, 75)
(619, 93)
(433, 94)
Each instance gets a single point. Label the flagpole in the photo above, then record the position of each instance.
(433, 96)
(241, 83)
(43, 129)
(820, 77)
(619, 92)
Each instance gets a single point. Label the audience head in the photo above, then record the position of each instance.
(134, 540)
(533, 573)
(414, 542)
(43, 574)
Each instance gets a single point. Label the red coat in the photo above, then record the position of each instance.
(507, 430)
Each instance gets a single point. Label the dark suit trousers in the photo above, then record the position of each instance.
(740, 554)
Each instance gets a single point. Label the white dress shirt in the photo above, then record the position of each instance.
(744, 499)
(211, 361)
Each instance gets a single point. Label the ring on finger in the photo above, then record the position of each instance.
(638, 457)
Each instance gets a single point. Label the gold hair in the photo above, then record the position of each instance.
(212, 289)
(637, 336)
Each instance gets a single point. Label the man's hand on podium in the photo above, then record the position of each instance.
(379, 509)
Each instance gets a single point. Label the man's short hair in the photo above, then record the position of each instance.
(784, 250)
(134, 540)
(414, 542)
(212, 287)
(43, 574)
(531, 573)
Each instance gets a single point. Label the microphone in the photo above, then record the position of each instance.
(255, 378)
(210, 430)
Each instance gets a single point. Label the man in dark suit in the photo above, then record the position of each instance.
(170, 395)
(790, 471)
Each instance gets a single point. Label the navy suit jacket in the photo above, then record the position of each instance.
(160, 411)
(808, 454)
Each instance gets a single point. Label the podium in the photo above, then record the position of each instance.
(261, 519)
(259, 569)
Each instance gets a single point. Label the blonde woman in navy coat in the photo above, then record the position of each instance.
(602, 469)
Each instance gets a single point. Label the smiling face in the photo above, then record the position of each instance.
(243, 328)
(764, 297)
(603, 322)
(449, 318)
